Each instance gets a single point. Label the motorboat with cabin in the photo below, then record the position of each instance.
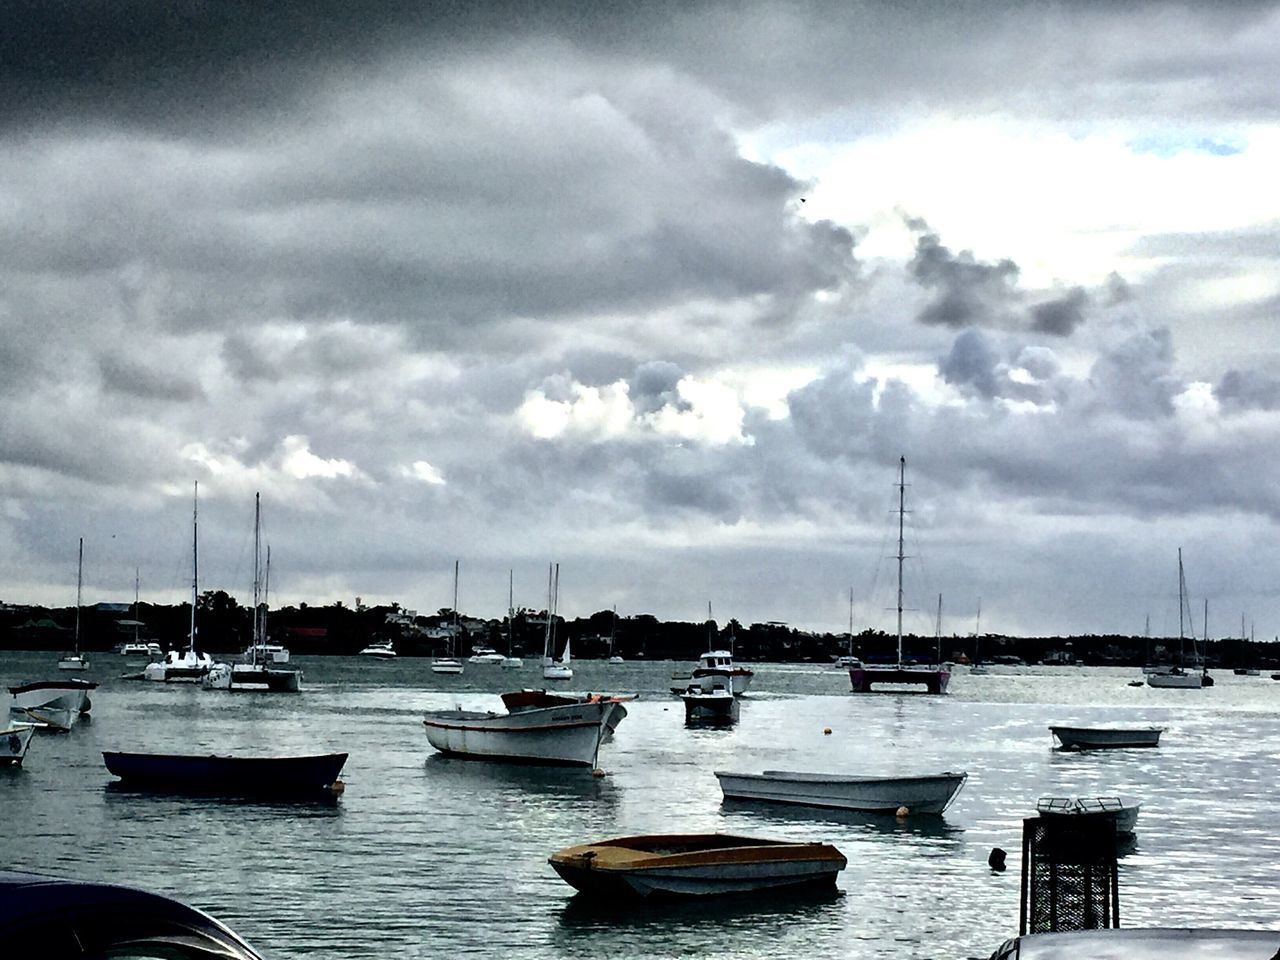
(709, 700)
(379, 650)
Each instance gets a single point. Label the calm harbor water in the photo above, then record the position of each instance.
(429, 857)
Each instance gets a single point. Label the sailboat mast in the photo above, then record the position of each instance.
(1182, 602)
(266, 598)
(937, 631)
(137, 579)
(902, 501)
(256, 638)
(851, 621)
(79, 584)
(511, 606)
(555, 606)
(546, 633)
(195, 562)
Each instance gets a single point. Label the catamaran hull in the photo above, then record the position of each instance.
(568, 735)
(925, 794)
(268, 776)
(1102, 738)
(864, 678)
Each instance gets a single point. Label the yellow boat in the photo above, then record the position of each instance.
(695, 865)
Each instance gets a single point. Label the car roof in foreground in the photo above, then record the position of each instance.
(1157, 943)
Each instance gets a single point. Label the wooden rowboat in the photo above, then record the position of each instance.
(695, 865)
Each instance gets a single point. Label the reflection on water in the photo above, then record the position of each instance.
(428, 856)
(708, 916)
(784, 815)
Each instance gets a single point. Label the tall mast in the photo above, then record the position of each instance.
(546, 634)
(1182, 593)
(136, 581)
(453, 639)
(937, 631)
(79, 584)
(256, 638)
(902, 501)
(851, 621)
(266, 596)
(555, 606)
(511, 605)
(195, 567)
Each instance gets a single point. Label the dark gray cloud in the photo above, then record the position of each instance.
(1061, 315)
(124, 374)
(1248, 390)
(967, 291)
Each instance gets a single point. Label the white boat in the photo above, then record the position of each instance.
(935, 678)
(14, 741)
(381, 649)
(73, 661)
(190, 665)
(553, 669)
(614, 658)
(568, 735)
(137, 648)
(517, 701)
(265, 652)
(1123, 813)
(485, 655)
(449, 663)
(710, 700)
(256, 672)
(694, 865)
(1106, 738)
(928, 793)
(1176, 677)
(58, 704)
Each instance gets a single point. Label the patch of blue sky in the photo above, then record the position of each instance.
(1172, 145)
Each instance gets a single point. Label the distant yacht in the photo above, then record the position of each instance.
(934, 678)
(381, 649)
(553, 669)
(73, 661)
(510, 661)
(1177, 677)
(450, 663)
(185, 666)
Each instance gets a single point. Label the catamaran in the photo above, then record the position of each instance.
(185, 666)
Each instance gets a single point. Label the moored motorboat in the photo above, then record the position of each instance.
(296, 776)
(14, 741)
(710, 701)
(379, 650)
(928, 793)
(1102, 738)
(567, 734)
(1123, 813)
(56, 703)
(695, 865)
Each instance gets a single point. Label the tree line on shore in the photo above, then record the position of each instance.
(224, 626)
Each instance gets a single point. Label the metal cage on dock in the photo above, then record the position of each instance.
(1069, 875)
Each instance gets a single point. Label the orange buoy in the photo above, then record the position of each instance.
(337, 787)
(903, 813)
(826, 731)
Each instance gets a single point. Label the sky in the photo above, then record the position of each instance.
(660, 292)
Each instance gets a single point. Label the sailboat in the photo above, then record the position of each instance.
(257, 672)
(185, 666)
(553, 669)
(613, 633)
(450, 663)
(848, 660)
(977, 666)
(1178, 677)
(510, 661)
(73, 661)
(934, 678)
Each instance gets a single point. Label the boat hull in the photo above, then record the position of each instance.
(249, 776)
(563, 735)
(1123, 815)
(924, 794)
(706, 709)
(864, 678)
(1105, 738)
(55, 703)
(447, 666)
(517, 701)
(14, 741)
(1176, 681)
(225, 676)
(715, 867)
